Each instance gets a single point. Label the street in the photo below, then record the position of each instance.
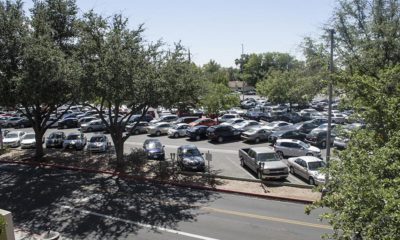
(225, 160)
(90, 206)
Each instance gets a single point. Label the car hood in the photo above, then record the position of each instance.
(73, 141)
(10, 139)
(28, 141)
(274, 164)
(197, 159)
(317, 174)
(314, 149)
(155, 150)
(96, 143)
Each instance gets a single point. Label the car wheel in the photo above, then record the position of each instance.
(257, 140)
(220, 139)
(176, 135)
(280, 154)
(198, 137)
(291, 170)
(311, 181)
(136, 132)
(158, 133)
(259, 175)
(323, 144)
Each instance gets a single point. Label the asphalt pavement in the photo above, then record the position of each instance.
(93, 206)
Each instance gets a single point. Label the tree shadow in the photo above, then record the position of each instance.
(77, 204)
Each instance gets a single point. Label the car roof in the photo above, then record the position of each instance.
(288, 140)
(74, 133)
(309, 159)
(182, 124)
(188, 146)
(15, 132)
(262, 149)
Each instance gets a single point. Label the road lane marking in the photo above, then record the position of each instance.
(137, 223)
(267, 218)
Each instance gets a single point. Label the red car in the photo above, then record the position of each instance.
(203, 121)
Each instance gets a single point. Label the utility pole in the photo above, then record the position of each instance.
(189, 54)
(241, 71)
(328, 134)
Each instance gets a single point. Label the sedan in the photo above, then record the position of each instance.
(178, 130)
(55, 139)
(159, 128)
(246, 125)
(190, 158)
(308, 167)
(256, 135)
(93, 126)
(75, 141)
(98, 143)
(154, 149)
(29, 140)
(13, 139)
(203, 121)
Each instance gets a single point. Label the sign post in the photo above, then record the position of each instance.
(209, 159)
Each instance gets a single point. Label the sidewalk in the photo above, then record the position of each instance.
(163, 172)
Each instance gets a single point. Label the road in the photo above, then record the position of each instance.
(89, 206)
(225, 155)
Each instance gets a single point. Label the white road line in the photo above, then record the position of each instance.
(137, 223)
(219, 150)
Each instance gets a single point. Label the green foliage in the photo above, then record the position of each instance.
(219, 97)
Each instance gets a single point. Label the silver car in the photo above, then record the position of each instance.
(75, 141)
(13, 139)
(178, 130)
(93, 126)
(98, 143)
(137, 128)
(295, 148)
(256, 135)
(246, 125)
(308, 167)
(232, 121)
(29, 141)
(159, 128)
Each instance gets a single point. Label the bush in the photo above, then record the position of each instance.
(136, 159)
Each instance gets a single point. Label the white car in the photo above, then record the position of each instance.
(98, 143)
(307, 167)
(273, 126)
(28, 141)
(246, 125)
(13, 139)
(232, 121)
(178, 130)
(227, 117)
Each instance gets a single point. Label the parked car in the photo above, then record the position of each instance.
(165, 118)
(248, 104)
(307, 167)
(11, 122)
(264, 162)
(68, 123)
(98, 143)
(23, 123)
(13, 139)
(137, 128)
(29, 141)
(232, 121)
(304, 127)
(291, 117)
(197, 132)
(187, 119)
(274, 126)
(287, 134)
(222, 133)
(190, 158)
(256, 135)
(93, 126)
(178, 130)
(318, 121)
(86, 120)
(159, 128)
(203, 121)
(318, 137)
(338, 118)
(52, 122)
(145, 118)
(295, 148)
(3, 119)
(246, 125)
(227, 117)
(342, 135)
(254, 115)
(55, 139)
(154, 149)
(75, 141)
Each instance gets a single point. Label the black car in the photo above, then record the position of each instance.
(318, 137)
(272, 116)
(187, 119)
(68, 123)
(286, 134)
(190, 158)
(291, 117)
(305, 127)
(154, 149)
(221, 133)
(254, 115)
(55, 139)
(23, 123)
(197, 132)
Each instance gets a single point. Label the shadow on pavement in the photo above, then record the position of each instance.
(36, 197)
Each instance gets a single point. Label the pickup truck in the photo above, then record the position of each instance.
(264, 162)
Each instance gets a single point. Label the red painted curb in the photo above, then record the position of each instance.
(123, 175)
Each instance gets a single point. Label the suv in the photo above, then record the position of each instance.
(221, 133)
(318, 138)
(295, 148)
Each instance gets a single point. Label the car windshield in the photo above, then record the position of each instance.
(97, 139)
(29, 136)
(191, 152)
(12, 135)
(152, 145)
(316, 165)
(73, 137)
(53, 136)
(241, 124)
(267, 157)
(304, 145)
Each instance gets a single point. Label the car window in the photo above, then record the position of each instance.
(191, 152)
(267, 157)
(12, 135)
(316, 165)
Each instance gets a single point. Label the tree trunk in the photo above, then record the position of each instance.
(119, 148)
(39, 146)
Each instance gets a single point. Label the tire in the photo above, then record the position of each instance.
(198, 137)
(280, 154)
(291, 170)
(176, 135)
(220, 139)
(158, 133)
(257, 140)
(259, 175)
(136, 132)
(323, 144)
(311, 181)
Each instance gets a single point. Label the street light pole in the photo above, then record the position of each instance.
(328, 134)
(241, 71)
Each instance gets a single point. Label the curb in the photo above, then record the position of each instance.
(140, 178)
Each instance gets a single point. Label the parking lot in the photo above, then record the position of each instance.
(225, 160)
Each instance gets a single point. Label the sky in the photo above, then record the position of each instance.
(216, 29)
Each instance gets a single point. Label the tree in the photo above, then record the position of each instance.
(218, 97)
(39, 64)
